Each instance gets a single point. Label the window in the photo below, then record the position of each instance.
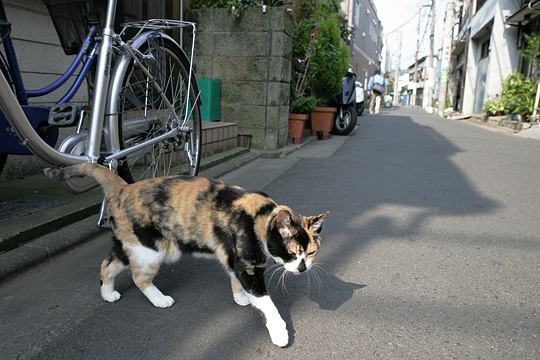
(479, 4)
(357, 8)
(484, 49)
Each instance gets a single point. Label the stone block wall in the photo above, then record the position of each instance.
(251, 55)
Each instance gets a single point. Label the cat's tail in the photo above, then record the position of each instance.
(109, 181)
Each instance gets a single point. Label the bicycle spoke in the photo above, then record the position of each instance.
(141, 100)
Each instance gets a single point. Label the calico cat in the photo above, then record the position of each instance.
(157, 220)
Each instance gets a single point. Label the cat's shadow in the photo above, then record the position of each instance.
(328, 291)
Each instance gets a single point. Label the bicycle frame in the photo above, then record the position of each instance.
(11, 108)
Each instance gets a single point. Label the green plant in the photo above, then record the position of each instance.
(531, 50)
(303, 105)
(329, 61)
(236, 7)
(494, 106)
(277, 3)
(518, 94)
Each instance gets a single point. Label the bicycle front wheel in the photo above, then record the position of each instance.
(146, 112)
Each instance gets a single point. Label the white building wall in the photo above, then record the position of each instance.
(503, 56)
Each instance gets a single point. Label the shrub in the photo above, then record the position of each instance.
(303, 105)
(329, 62)
(494, 106)
(518, 94)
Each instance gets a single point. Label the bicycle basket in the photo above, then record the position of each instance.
(72, 19)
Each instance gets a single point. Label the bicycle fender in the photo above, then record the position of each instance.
(120, 68)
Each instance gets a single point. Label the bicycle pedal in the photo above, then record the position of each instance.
(64, 115)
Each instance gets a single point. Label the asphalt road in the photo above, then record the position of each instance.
(431, 251)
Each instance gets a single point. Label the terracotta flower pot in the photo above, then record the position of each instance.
(297, 122)
(321, 121)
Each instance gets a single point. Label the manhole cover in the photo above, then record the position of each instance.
(16, 208)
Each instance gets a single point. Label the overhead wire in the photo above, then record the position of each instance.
(405, 23)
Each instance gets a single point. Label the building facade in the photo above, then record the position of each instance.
(527, 21)
(485, 52)
(420, 68)
(367, 39)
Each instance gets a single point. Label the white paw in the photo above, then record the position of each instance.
(278, 333)
(241, 298)
(110, 296)
(163, 301)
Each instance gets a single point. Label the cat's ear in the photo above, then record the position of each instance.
(283, 224)
(315, 222)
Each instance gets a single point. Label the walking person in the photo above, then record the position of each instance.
(376, 86)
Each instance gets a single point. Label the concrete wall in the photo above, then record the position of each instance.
(503, 56)
(251, 55)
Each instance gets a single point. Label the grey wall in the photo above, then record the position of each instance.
(251, 55)
(40, 56)
(41, 60)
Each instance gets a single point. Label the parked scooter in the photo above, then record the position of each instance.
(360, 104)
(348, 107)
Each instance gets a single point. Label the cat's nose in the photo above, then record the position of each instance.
(302, 266)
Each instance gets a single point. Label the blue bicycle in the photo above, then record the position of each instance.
(142, 119)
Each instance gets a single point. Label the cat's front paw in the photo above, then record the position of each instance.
(278, 332)
(241, 298)
(163, 301)
(110, 296)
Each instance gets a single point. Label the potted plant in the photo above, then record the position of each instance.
(494, 107)
(300, 109)
(518, 93)
(328, 64)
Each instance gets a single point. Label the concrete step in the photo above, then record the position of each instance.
(218, 136)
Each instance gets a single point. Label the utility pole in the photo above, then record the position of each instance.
(398, 70)
(447, 47)
(413, 102)
(430, 81)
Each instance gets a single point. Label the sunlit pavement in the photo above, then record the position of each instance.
(431, 251)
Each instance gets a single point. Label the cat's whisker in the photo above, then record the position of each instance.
(276, 269)
(272, 267)
(279, 278)
(317, 277)
(319, 267)
(283, 284)
(309, 282)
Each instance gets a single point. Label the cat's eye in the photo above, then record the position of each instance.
(311, 253)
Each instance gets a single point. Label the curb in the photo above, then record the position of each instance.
(284, 151)
(494, 128)
(44, 248)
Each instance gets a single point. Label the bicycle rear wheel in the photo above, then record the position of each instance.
(144, 115)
